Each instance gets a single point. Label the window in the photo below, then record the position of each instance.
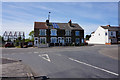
(53, 32)
(42, 40)
(111, 33)
(53, 40)
(77, 33)
(42, 32)
(77, 40)
(68, 33)
(68, 40)
(118, 32)
(105, 33)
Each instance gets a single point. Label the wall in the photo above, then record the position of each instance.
(99, 36)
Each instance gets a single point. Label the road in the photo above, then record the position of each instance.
(68, 62)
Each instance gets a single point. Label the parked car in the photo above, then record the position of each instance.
(25, 45)
(30, 44)
(9, 44)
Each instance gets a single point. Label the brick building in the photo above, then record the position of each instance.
(58, 34)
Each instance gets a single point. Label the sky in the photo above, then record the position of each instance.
(20, 16)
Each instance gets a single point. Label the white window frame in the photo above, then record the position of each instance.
(68, 40)
(40, 32)
(68, 32)
(52, 39)
(41, 40)
(55, 32)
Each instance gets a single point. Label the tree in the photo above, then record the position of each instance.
(31, 34)
(27, 40)
(87, 37)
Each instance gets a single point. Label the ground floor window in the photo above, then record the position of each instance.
(77, 40)
(42, 40)
(68, 40)
(53, 40)
(61, 40)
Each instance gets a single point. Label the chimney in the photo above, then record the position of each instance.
(108, 25)
(70, 23)
(47, 22)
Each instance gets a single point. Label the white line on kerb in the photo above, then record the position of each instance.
(94, 67)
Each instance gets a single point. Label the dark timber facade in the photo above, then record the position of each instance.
(58, 34)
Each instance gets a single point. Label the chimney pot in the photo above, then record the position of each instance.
(108, 25)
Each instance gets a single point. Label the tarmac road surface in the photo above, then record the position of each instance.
(68, 62)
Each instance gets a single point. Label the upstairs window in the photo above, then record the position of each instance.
(53, 32)
(77, 33)
(42, 32)
(111, 33)
(68, 32)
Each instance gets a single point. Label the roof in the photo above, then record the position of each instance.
(93, 32)
(43, 25)
(111, 28)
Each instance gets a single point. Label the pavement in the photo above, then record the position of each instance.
(15, 69)
(68, 62)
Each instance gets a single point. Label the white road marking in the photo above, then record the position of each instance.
(58, 54)
(94, 67)
(46, 57)
(36, 52)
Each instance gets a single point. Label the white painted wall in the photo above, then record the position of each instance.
(99, 36)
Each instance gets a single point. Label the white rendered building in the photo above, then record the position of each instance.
(105, 35)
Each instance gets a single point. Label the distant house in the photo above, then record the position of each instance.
(58, 34)
(105, 35)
